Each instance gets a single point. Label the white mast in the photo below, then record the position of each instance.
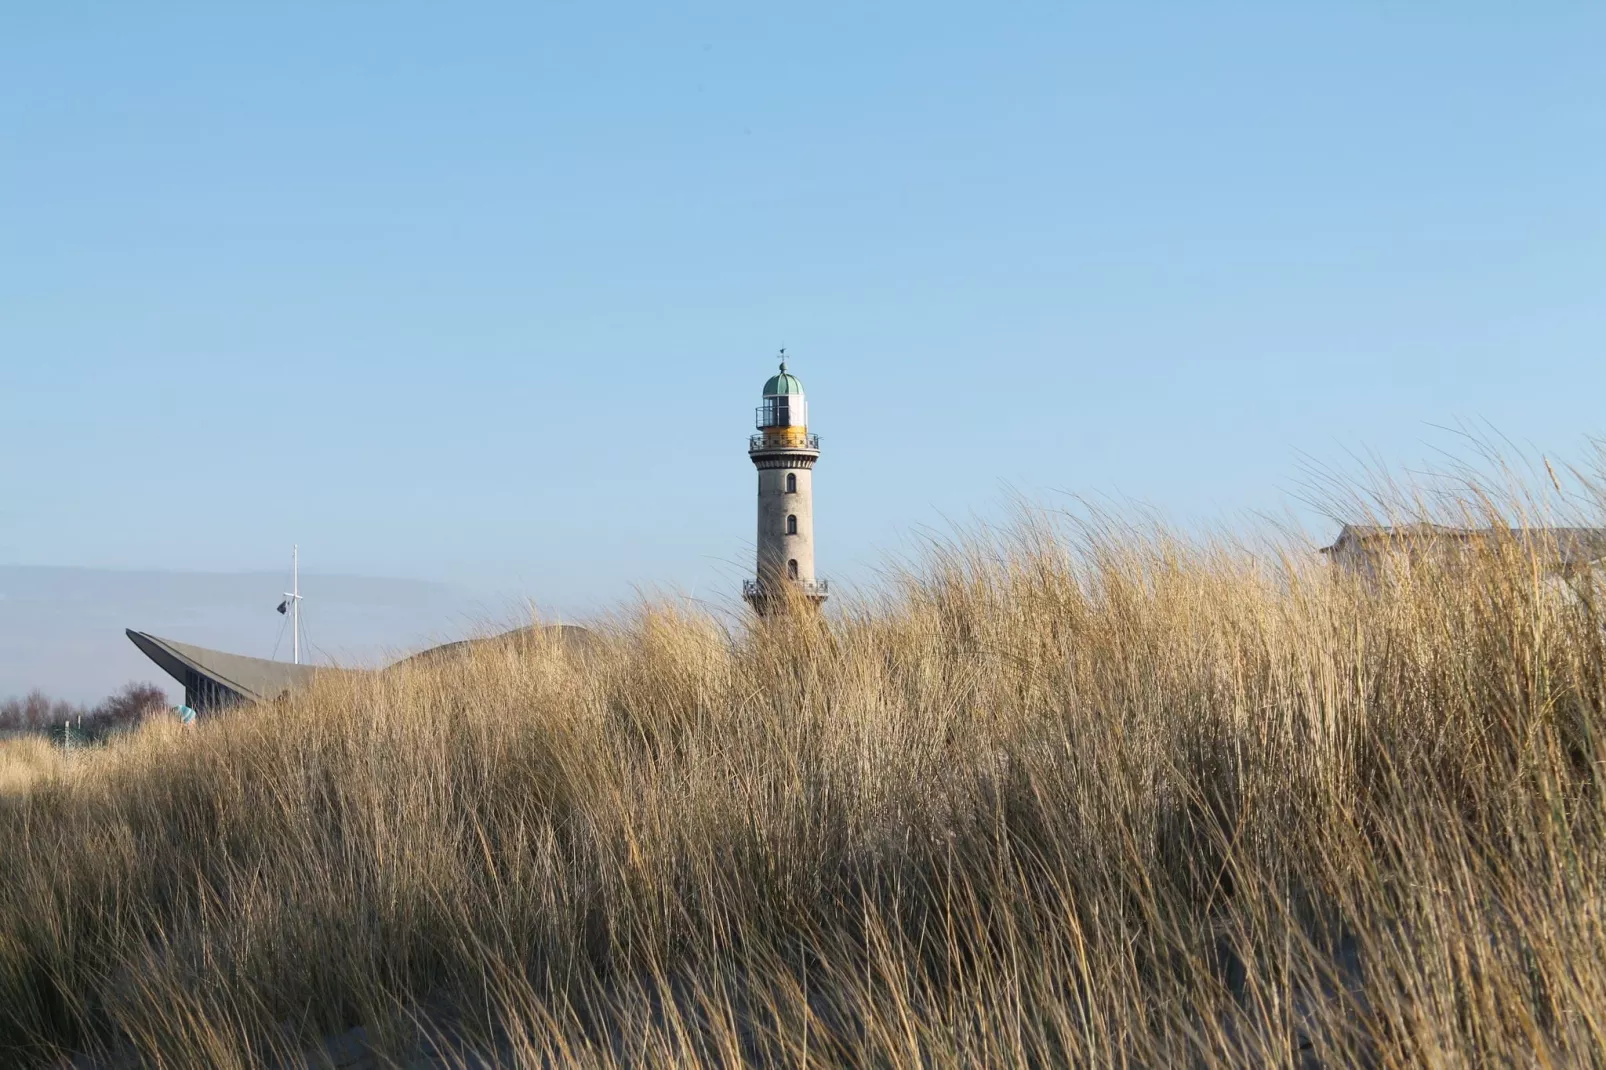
(293, 596)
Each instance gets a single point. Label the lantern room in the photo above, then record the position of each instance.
(783, 416)
(784, 404)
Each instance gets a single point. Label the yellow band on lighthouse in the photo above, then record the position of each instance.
(786, 437)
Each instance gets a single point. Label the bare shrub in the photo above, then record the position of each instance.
(126, 708)
(36, 712)
(40, 714)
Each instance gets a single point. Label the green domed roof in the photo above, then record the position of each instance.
(784, 383)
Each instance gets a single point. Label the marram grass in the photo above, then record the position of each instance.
(1116, 800)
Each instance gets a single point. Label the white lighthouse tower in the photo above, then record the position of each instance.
(784, 453)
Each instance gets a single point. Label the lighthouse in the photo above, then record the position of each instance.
(784, 452)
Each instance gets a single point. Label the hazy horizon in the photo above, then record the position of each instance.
(61, 628)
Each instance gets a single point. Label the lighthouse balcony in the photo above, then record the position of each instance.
(758, 590)
(782, 439)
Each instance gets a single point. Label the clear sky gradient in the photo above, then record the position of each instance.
(484, 293)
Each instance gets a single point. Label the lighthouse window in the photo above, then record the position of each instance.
(777, 412)
(791, 570)
(791, 482)
(791, 525)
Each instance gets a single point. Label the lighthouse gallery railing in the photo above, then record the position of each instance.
(756, 443)
(757, 588)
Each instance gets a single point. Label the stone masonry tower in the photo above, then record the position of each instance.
(784, 453)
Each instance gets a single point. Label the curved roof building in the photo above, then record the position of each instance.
(214, 679)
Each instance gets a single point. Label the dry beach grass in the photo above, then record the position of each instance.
(1111, 799)
(24, 759)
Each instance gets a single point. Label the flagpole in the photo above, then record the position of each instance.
(295, 604)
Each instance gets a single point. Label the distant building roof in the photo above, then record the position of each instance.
(571, 637)
(1574, 545)
(252, 679)
(1364, 533)
(214, 678)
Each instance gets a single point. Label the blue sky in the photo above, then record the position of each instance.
(484, 293)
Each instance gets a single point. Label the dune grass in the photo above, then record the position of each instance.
(25, 758)
(1112, 799)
